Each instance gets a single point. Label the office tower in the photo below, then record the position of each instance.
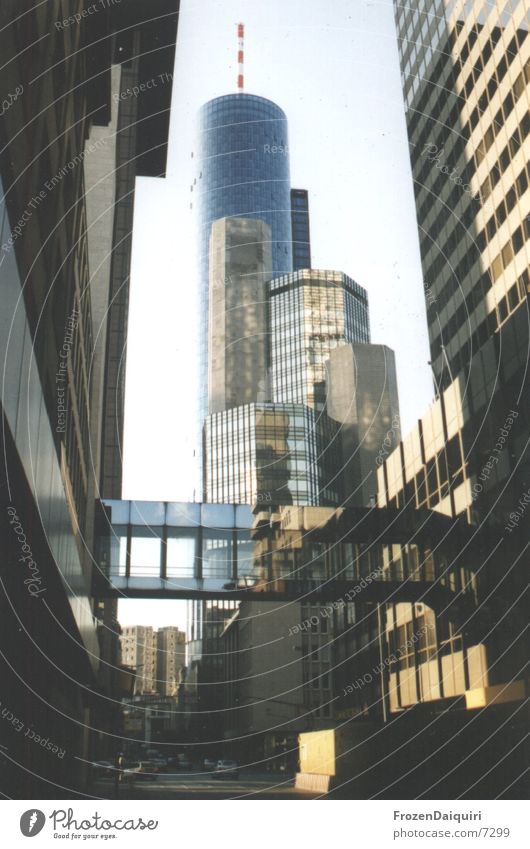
(238, 343)
(469, 154)
(300, 229)
(242, 171)
(255, 449)
(139, 651)
(244, 135)
(275, 453)
(171, 659)
(284, 450)
(470, 177)
(465, 76)
(311, 313)
(157, 656)
(362, 396)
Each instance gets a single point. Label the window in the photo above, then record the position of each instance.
(518, 240)
(504, 158)
(518, 86)
(515, 143)
(491, 227)
(507, 254)
(513, 297)
(146, 549)
(501, 213)
(511, 199)
(522, 182)
(496, 267)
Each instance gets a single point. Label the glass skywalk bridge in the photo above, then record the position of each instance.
(232, 551)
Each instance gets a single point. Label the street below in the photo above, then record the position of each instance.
(203, 786)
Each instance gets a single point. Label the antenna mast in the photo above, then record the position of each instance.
(241, 56)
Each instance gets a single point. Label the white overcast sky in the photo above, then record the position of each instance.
(334, 70)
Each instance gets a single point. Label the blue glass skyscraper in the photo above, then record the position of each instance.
(243, 164)
(242, 170)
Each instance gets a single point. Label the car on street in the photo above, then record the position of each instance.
(140, 771)
(226, 769)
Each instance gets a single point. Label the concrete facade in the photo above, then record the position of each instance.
(279, 680)
(171, 659)
(239, 268)
(362, 396)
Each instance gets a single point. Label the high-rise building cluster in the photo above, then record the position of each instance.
(301, 409)
(157, 656)
(404, 635)
(271, 324)
(297, 406)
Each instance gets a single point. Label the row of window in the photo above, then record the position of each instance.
(451, 83)
(319, 279)
(457, 148)
(464, 266)
(432, 483)
(508, 304)
(487, 233)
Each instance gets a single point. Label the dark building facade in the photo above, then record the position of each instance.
(143, 48)
(46, 345)
(470, 172)
(204, 684)
(300, 228)
(465, 77)
(60, 154)
(475, 247)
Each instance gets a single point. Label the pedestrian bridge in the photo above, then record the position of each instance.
(231, 551)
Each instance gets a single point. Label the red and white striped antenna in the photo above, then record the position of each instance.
(241, 56)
